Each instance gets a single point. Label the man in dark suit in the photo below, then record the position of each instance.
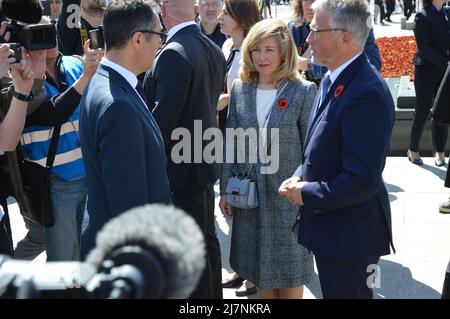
(345, 217)
(123, 150)
(183, 89)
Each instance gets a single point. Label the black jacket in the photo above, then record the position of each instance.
(184, 86)
(432, 37)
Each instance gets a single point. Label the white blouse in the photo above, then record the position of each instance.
(233, 73)
(264, 102)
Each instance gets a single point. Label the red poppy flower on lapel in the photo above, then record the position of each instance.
(338, 91)
(282, 104)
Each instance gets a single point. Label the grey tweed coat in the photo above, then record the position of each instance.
(264, 249)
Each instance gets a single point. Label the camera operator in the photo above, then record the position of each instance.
(65, 81)
(11, 125)
(71, 35)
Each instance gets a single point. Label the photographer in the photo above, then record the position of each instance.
(71, 34)
(11, 126)
(62, 81)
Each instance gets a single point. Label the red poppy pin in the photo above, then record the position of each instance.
(282, 104)
(339, 91)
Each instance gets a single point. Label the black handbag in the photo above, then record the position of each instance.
(36, 185)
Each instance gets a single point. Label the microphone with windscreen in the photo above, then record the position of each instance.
(25, 11)
(153, 251)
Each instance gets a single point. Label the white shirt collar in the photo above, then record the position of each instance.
(178, 27)
(127, 74)
(334, 75)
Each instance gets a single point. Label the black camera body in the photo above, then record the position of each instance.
(17, 48)
(96, 37)
(32, 37)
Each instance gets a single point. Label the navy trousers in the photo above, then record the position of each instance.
(346, 279)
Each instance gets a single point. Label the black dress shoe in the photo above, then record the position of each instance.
(416, 161)
(233, 283)
(243, 291)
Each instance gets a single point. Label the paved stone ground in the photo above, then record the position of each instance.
(421, 234)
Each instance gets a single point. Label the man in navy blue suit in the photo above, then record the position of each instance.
(123, 150)
(344, 216)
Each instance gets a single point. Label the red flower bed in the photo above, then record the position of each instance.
(397, 55)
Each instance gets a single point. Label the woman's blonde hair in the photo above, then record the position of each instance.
(260, 31)
(298, 12)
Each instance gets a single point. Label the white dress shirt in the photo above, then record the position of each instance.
(178, 27)
(129, 76)
(334, 75)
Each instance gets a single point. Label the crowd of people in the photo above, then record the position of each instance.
(111, 116)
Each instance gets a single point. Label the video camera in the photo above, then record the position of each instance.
(23, 26)
(152, 251)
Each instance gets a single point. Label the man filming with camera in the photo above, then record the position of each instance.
(59, 84)
(11, 125)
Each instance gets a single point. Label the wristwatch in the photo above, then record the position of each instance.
(23, 97)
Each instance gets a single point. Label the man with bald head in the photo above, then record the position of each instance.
(182, 87)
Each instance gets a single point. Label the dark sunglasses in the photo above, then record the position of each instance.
(162, 35)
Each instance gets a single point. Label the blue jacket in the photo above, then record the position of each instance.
(123, 152)
(346, 213)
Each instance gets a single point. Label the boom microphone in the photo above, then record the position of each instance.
(153, 251)
(26, 11)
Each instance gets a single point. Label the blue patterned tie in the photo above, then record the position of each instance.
(325, 86)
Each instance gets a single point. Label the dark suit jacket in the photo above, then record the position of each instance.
(346, 213)
(184, 86)
(123, 152)
(432, 37)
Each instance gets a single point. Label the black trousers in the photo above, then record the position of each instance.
(426, 83)
(6, 243)
(408, 8)
(345, 279)
(198, 202)
(390, 8)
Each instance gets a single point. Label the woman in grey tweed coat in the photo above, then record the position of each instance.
(264, 249)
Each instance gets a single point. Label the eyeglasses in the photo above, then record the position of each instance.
(162, 35)
(316, 32)
(214, 4)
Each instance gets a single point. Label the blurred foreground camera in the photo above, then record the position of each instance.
(24, 16)
(33, 37)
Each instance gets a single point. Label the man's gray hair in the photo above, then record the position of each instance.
(351, 15)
